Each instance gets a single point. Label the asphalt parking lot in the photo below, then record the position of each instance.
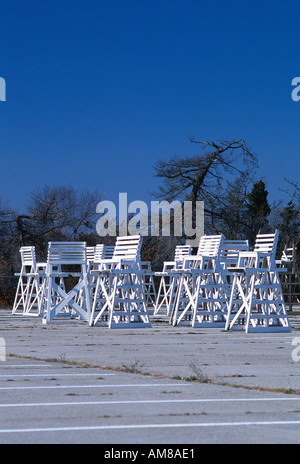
(69, 383)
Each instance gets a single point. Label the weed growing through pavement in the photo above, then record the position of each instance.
(134, 368)
(198, 375)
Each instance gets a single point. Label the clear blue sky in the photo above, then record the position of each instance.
(98, 91)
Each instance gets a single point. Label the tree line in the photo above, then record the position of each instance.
(222, 174)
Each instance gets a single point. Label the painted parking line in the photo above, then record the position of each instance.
(24, 365)
(166, 401)
(151, 426)
(130, 385)
(85, 374)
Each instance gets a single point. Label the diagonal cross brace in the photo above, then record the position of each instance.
(68, 299)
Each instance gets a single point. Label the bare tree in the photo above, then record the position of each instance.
(8, 239)
(60, 213)
(54, 213)
(209, 177)
(62, 209)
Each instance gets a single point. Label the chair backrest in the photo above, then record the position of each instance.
(99, 250)
(263, 254)
(289, 254)
(210, 245)
(128, 247)
(208, 254)
(90, 254)
(230, 251)
(28, 257)
(67, 253)
(108, 251)
(266, 243)
(181, 251)
(103, 252)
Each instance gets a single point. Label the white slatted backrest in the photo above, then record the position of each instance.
(67, 253)
(108, 251)
(181, 251)
(99, 250)
(210, 245)
(266, 243)
(103, 252)
(231, 249)
(208, 254)
(28, 256)
(289, 254)
(264, 252)
(90, 254)
(128, 248)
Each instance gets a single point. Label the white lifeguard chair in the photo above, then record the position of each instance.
(200, 296)
(169, 279)
(64, 258)
(119, 299)
(29, 294)
(256, 302)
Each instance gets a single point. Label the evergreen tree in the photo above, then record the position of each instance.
(289, 226)
(257, 210)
